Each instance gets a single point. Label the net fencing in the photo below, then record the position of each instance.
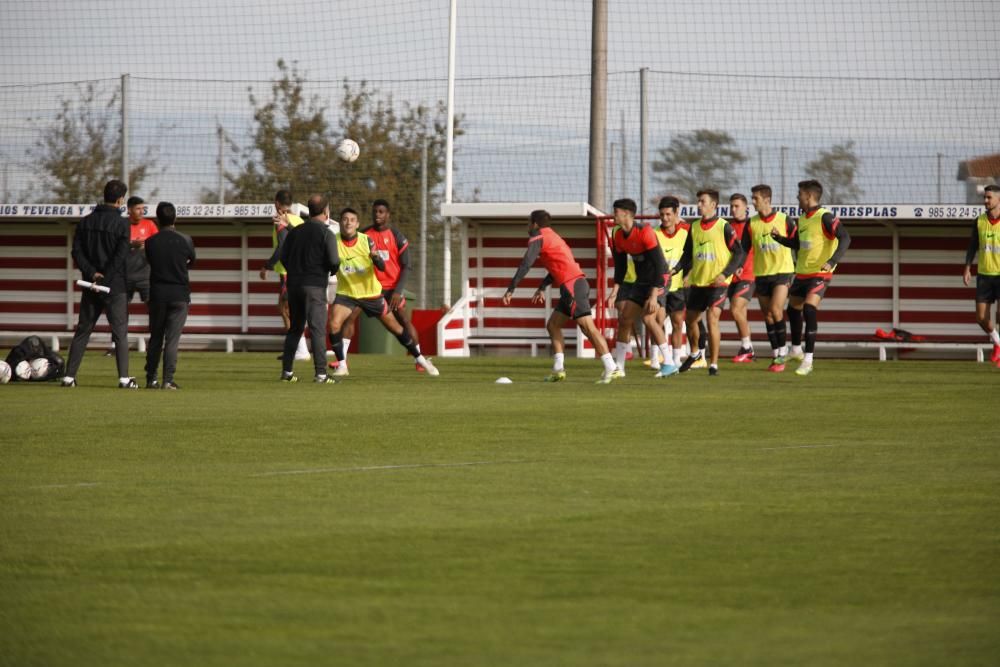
(228, 101)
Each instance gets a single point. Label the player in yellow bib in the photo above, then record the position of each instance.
(984, 246)
(821, 242)
(672, 235)
(773, 269)
(359, 289)
(711, 256)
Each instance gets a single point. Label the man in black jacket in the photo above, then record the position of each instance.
(170, 254)
(309, 255)
(100, 246)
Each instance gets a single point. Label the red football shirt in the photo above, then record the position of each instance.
(142, 230)
(557, 258)
(389, 244)
(738, 227)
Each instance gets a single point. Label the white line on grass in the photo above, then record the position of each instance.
(764, 449)
(318, 471)
(69, 486)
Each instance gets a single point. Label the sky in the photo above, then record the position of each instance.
(904, 80)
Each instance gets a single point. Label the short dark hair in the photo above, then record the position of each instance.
(134, 201)
(764, 190)
(625, 205)
(992, 187)
(381, 202)
(541, 218)
(669, 202)
(114, 190)
(317, 204)
(166, 214)
(738, 195)
(713, 194)
(813, 186)
(346, 209)
(283, 197)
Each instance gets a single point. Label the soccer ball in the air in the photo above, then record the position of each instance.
(23, 370)
(4, 372)
(348, 150)
(39, 368)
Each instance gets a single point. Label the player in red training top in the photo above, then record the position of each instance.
(574, 293)
(392, 246)
(741, 289)
(637, 241)
(136, 266)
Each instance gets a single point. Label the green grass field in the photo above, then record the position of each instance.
(848, 518)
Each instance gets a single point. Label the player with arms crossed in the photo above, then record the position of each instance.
(359, 290)
(574, 295)
(712, 255)
(985, 247)
(821, 242)
(637, 241)
(774, 269)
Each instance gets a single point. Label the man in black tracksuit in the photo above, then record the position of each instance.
(100, 246)
(170, 254)
(309, 255)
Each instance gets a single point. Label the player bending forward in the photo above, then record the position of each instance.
(574, 293)
(359, 289)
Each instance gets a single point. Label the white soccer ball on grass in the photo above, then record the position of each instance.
(39, 368)
(5, 372)
(23, 370)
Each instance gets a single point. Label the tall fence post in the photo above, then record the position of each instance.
(125, 130)
(643, 137)
(423, 224)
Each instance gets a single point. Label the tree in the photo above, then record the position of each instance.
(697, 160)
(81, 151)
(835, 169)
(292, 146)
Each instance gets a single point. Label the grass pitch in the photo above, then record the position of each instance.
(846, 518)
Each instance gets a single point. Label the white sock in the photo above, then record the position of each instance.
(696, 355)
(347, 344)
(715, 366)
(608, 361)
(784, 351)
(995, 337)
(776, 352)
(808, 360)
(796, 349)
(557, 364)
(664, 352)
(678, 353)
(745, 342)
(621, 349)
(123, 380)
(68, 378)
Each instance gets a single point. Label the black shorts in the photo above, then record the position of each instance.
(742, 288)
(765, 284)
(803, 287)
(140, 286)
(987, 289)
(634, 292)
(673, 302)
(701, 299)
(374, 307)
(574, 299)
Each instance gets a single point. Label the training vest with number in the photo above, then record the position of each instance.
(709, 253)
(673, 250)
(815, 247)
(356, 275)
(989, 246)
(770, 257)
(293, 221)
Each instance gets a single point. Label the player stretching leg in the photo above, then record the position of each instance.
(359, 290)
(774, 268)
(821, 242)
(574, 302)
(985, 243)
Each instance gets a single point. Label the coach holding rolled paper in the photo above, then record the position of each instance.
(100, 246)
(170, 254)
(309, 255)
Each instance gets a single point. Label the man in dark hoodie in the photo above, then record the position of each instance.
(100, 246)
